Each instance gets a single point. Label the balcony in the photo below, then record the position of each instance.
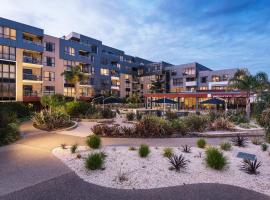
(32, 78)
(191, 83)
(33, 41)
(31, 95)
(32, 60)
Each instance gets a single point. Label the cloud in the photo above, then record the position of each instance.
(217, 34)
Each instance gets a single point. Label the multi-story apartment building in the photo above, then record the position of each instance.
(31, 64)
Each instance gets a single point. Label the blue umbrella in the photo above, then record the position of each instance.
(213, 101)
(164, 100)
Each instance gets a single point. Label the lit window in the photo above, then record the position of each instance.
(215, 78)
(70, 51)
(104, 71)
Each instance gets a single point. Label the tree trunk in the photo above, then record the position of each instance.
(76, 87)
(248, 106)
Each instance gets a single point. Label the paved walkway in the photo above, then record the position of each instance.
(28, 170)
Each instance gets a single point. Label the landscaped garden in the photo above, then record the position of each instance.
(144, 167)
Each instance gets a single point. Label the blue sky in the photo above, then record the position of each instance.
(218, 34)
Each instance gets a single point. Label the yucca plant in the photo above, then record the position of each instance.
(178, 162)
(186, 148)
(251, 167)
(63, 146)
(239, 141)
(73, 148)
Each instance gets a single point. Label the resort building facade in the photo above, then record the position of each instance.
(31, 64)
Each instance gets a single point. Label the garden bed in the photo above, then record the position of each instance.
(124, 168)
(69, 126)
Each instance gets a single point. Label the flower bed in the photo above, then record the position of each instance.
(124, 168)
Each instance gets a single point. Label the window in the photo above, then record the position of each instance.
(7, 81)
(49, 46)
(174, 73)
(7, 32)
(104, 71)
(190, 79)
(94, 49)
(69, 51)
(204, 79)
(69, 91)
(219, 88)
(118, 65)
(49, 76)
(49, 90)
(49, 61)
(204, 88)
(177, 81)
(215, 78)
(69, 64)
(7, 53)
(104, 61)
(189, 71)
(225, 77)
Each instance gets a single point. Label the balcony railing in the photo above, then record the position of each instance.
(31, 93)
(33, 42)
(48, 92)
(7, 56)
(32, 77)
(32, 60)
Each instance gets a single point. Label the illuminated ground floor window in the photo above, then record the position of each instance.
(7, 81)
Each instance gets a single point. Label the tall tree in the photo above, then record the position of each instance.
(250, 84)
(75, 76)
(157, 86)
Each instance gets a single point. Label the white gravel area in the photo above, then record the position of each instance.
(153, 171)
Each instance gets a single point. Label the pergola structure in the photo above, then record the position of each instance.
(149, 97)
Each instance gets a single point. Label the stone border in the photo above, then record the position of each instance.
(75, 124)
(246, 133)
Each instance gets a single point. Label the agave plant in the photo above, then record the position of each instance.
(186, 148)
(178, 162)
(239, 141)
(250, 166)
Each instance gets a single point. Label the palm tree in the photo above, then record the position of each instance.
(250, 84)
(157, 86)
(75, 76)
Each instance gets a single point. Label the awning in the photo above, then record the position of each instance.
(164, 100)
(213, 101)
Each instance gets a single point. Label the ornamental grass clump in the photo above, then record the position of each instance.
(144, 150)
(226, 146)
(215, 159)
(94, 161)
(264, 147)
(130, 116)
(167, 152)
(73, 148)
(93, 141)
(201, 143)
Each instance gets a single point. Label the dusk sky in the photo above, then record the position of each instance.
(218, 34)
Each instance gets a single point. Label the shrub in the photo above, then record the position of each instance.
(94, 161)
(246, 125)
(264, 147)
(139, 116)
(239, 141)
(130, 116)
(20, 109)
(256, 141)
(250, 167)
(107, 113)
(215, 158)
(186, 148)
(178, 162)
(265, 122)
(171, 115)
(179, 126)
(131, 148)
(153, 126)
(63, 146)
(144, 150)
(222, 124)
(237, 116)
(127, 131)
(47, 120)
(196, 123)
(93, 141)
(201, 143)
(105, 130)
(73, 148)
(80, 109)
(226, 146)
(167, 152)
(9, 134)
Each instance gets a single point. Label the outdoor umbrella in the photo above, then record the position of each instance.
(165, 101)
(213, 101)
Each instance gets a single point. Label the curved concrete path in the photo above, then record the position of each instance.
(28, 170)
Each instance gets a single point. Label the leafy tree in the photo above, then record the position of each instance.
(52, 101)
(249, 84)
(75, 76)
(134, 98)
